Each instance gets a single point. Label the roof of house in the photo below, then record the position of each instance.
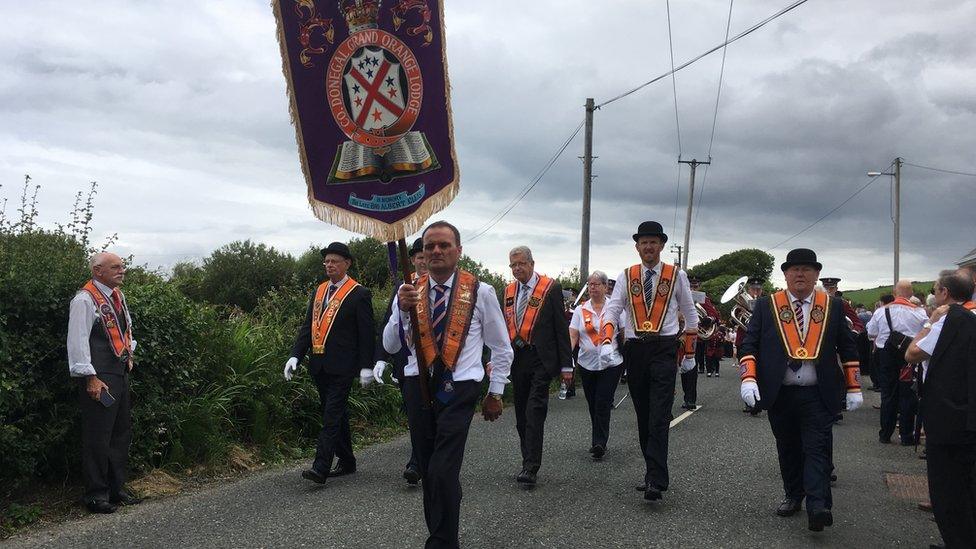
(967, 259)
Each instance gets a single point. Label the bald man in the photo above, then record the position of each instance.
(892, 327)
(100, 349)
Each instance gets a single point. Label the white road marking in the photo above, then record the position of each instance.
(683, 416)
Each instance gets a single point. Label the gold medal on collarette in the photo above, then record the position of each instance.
(801, 353)
(647, 326)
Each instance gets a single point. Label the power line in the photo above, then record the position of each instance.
(718, 96)
(954, 172)
(834, 209)
(499, 216)
(674, 84)
(737, 37)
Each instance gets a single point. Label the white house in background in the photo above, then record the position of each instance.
(968, 259)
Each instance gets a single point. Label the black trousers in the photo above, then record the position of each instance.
(105, 437)
(651, 369)
(875, 366)
(413, 463)
(689, 386)
(335, 439)
(898, 400)
(802, 426)
(952, 491)
(711, 364)
(864, 348)
(439, 435)
(530, 385)
(599, 388)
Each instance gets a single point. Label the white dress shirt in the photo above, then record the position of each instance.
(929, 342)
(807, 374)
(680, 300)
(82, 315)
(904, 319)
(487, 329)
(589, 354)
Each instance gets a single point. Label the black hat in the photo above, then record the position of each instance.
(650, 228)
(693, 280)
(337, 248)
(829, 282)
(416, 247)
(801, 256)
(756, 281)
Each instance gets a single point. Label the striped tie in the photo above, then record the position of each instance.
(649, 288)
(330, 293)
(445, 386)
(523, 302)
(800, 326)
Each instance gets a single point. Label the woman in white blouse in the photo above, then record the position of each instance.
(599, 381)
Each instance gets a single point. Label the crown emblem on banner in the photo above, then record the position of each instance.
(361, 14)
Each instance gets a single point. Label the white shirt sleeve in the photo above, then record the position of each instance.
(872, 326)
(81, 319)
(931, 339)
(495, 336)
(391, 332)
(611, 311)
(686, 303)
(576, 322)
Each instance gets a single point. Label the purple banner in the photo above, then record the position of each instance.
(369, 98)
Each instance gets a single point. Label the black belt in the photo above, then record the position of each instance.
(654, 338)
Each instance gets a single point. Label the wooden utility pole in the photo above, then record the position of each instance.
(897, 216)
(587, 183)
(691, 202)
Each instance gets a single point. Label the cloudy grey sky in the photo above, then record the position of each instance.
(178, 110)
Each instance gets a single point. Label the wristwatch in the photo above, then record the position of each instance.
(927, 325)
(495, 396)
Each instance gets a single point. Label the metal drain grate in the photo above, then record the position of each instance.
(908, 487)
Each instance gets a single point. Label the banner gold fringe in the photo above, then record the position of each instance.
(352, 221)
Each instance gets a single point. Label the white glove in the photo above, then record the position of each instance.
(378, 371)
(854, 401)
(606, 354)
(365, 377)
(750, 393)
(687, 365)
(290, 367)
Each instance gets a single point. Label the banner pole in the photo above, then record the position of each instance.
(422, 365)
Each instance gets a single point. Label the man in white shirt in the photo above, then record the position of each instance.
(893, 328)
(653, 293)
(451, 344)
(100, 347)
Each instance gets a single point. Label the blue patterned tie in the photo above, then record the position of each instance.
(445, 387)
(649, 288)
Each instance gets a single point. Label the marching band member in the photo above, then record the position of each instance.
(458, 317)
(788, 367)
(599, 379)
(754, 287)
(653, 293)
(340, 332)
(539, 334)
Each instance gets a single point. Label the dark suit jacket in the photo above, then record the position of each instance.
(351, 342)
(763, 341)
(550, 337)
(949, 392)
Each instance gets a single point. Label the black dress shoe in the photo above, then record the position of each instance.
(342, 469)
(125, 498)
(101, 507)
(314, 476)
(526, 477)
(833, 478)
(598, 451)
(652, 494)
(642, 487)
(884, 440)
(411, 475)
(788, 507)
(819, 519)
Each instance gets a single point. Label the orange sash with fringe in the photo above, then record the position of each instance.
(589, 327)
(524, 330)
(650, 321)
(121, 341)
(460, 311)
(797, 347)
(322, 320)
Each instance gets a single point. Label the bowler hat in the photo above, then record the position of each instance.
(416, 247)
(801, 256)
(692, 280)
(337, 248)
(829, 282)
(650, 228)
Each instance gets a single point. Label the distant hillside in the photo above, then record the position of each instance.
(870, 296)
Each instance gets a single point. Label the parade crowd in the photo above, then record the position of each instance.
(801, 353)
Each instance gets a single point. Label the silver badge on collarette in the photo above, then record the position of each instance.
(448, 387)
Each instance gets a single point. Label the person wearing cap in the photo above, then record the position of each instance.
(398, 360)
(689, 379)
(652, 293)
(340, 333)
(788, 367)
(599, 379)
(830, 286)
(452, 345)
(754, 287)
(537, 327)
(893, 328)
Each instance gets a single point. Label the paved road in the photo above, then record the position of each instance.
(725, 485)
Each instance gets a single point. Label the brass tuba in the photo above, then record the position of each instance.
(742, 310)
(705, 333)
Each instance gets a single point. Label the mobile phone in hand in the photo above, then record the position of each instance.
(106, 398)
